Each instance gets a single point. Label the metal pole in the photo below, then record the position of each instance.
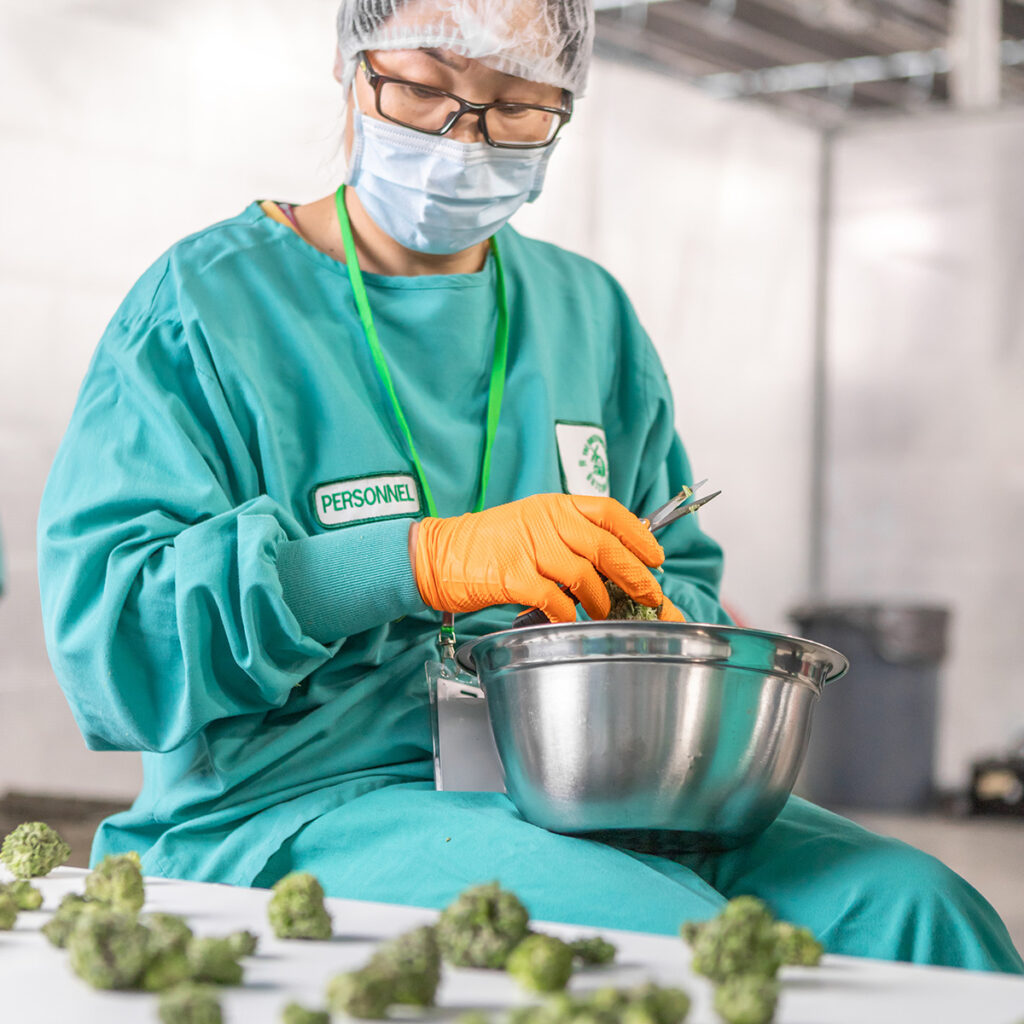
(817, 575)
(976, 29)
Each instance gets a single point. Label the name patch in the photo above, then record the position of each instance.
(366, 499)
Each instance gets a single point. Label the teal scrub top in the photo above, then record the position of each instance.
(223, 567)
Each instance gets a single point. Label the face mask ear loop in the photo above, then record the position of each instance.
(358, 137)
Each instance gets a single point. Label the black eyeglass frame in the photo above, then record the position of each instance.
(377, 81)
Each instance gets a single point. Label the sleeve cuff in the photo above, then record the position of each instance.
(340, 583)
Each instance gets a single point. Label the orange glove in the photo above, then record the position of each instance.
(670, 613)
(519, 553)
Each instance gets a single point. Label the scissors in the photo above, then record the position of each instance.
(679, 505)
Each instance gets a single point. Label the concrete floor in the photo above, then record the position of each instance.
(988, 852)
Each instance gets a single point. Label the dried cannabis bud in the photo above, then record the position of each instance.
(661, 1005)
(108, 949)
(117, 882)
(414, 960)
(541, 963)
(482, 927)
(168, 933)
(624, 607)
(367, 993)
(58, 929)
(33, 850)
(165, 971)
(190, 1004)
(296, 910)
(646, 1004)
(747, 999)
(243, 944)
(214, 961)
(592, 951)
(798, 946)
(8, 912)
(293, 1013)
(741, 940)
(25, 895)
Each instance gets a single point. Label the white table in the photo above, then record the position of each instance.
(37, 986)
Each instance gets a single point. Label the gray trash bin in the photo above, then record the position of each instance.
(872, 744)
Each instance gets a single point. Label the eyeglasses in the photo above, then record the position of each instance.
(436, 112)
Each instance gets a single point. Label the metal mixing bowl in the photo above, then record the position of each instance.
(664, 736)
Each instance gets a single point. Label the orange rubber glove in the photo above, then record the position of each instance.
(670, 613)
(521, 552)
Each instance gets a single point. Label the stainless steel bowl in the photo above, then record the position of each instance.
(664, 736)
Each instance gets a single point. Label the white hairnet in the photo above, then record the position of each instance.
(547, 41)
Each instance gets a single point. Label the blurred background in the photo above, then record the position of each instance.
(817, 209)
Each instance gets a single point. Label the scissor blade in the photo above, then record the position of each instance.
(686, 508)
(666, 513)
(657, 517)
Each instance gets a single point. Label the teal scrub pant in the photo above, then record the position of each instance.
(860, 893)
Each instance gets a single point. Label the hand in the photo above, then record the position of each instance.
(520, 553)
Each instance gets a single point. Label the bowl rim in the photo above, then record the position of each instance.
(840, 664)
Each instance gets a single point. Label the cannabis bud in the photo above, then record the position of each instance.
(592, 951)
(296, 910)
(108, 949)
(33, 850)
(541, 963)
(214, 961)
(117, 882)
(367, 993)
(482, 927)
(798, 946)
(294, 1013)
(747, 999)
(624, 607)
(26, 896)
(414, 960)
(8, 912)
(190, 1004)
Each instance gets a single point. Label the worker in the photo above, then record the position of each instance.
(312, 429)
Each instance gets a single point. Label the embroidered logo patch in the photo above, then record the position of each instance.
(365, 499)
(583, 454)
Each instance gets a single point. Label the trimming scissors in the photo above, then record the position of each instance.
(676, 507)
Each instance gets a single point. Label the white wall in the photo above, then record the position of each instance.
(706, 212)
(926, 487)
(125, 126)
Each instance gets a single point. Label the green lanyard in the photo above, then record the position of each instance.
(498, 365)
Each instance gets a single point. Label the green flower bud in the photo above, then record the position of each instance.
(33, 850)
(297, 911)
(117, 882)
(482, 927)
(295, 1014)
(190, 1004)
(541, 963)
(214, 961)
(108, 949)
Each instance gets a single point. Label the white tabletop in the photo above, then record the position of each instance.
(37, 986)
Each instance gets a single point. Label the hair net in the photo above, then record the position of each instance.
(547, 41)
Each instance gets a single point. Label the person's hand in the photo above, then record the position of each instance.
(668, 612)
(520, 553)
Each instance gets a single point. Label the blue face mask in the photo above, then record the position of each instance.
(436, 195)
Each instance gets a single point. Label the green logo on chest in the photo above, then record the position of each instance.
(583, 454)
(594, 462)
